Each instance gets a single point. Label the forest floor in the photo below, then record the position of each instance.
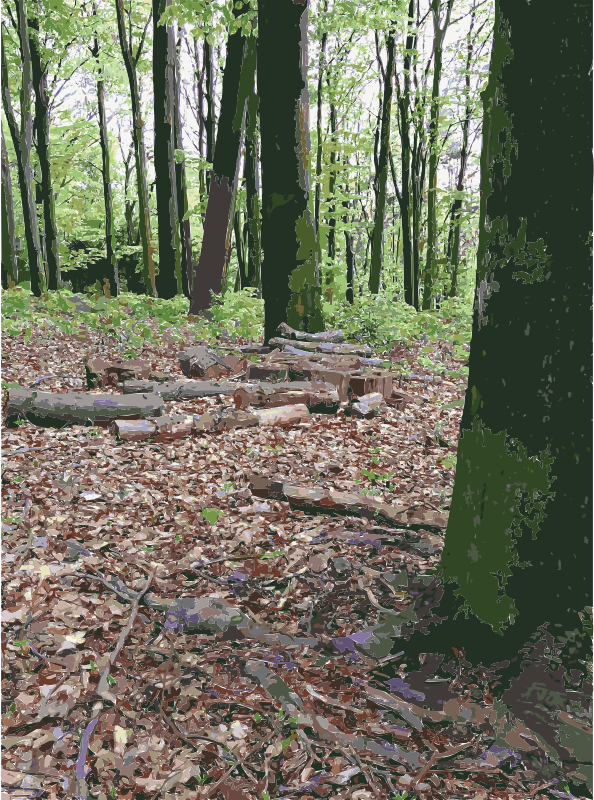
(281, 692)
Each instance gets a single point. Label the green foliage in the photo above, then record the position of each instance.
(243, 307)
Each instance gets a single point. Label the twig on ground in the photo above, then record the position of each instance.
(81, 773)
(438, 757)
(212, 787)
(103, 683)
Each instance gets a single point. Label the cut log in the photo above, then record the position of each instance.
(325, 347)
(267, 372)
(372, 380)
(312, 393)
(180, 390)
(401, 399)
(181, 426)
(45, 408)
(339, 379)
(108, 372)
(203, 362)
(368, 406)
(325, 336)
(349, 502)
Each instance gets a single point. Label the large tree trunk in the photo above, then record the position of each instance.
(169, 282)
(210, 271)
(404, 197)
(438, 38)
(290, 272)
(253, 251)
(41, 126)
(517, 556)
(144, 223)
(181, 184)
(9, 257)
(21, 139)
(112, 261)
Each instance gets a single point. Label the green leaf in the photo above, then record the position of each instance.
(28, 334)
(257, 717)
(455, 403)
(211, 515)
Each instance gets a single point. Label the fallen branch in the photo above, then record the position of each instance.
(81, 773)
(350, 502)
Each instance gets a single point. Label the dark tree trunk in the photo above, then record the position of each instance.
(381, 174)
(517, 556)
(290, 271)
(210, 108)
(405, 198)
(419, 160)
(21, 139)
(9, 257)
(348, 243)
(331, 187)
(238, 83)
(181, 185)
(240, 250)
(112, 262)
(169, 282)
(254, 254)
(144, 223)
(438, 38)
(41, 128)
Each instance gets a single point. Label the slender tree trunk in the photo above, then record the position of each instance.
(348, 243)
(381, 175)
(524, 468)
(41, 128)
(9, 257)
(321, 66)
(240, 249)
(210, 108)
(332, 186)
(181, 184)
(290, 271)
(438, 38)
(254, 254)
(169, 278)
(405, 198)
(144, 224)
(21, 139)
(113, 276)
(454, 254)
(238, 84)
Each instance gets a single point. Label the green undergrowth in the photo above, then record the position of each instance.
(135, 319)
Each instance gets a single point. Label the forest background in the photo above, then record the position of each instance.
(395, 144)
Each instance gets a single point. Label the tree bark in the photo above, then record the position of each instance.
(332, 187)
(419, 161)
(112, 261)
(290, 271)
(21, 139)
(169, 280)
(254, 253)
(144, 223)
(238, 82)
(381, 174)
(438, 39)
(9, 257)
(41, 128)
(524, 469)
(181, 184)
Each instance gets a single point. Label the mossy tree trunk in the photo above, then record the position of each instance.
(518, 556)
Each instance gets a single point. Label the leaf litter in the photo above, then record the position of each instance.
(168, 633)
